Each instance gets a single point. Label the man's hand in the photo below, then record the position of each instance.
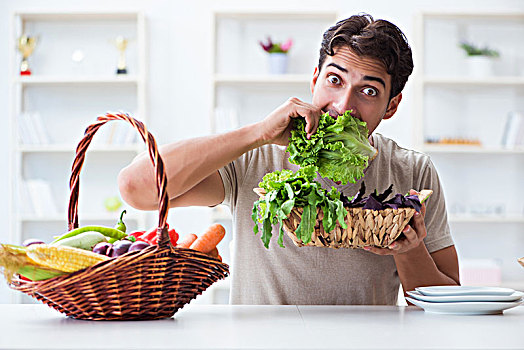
(414, 233)
(276, 127)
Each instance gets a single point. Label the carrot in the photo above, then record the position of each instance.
(209, 239)
(213, 253)
(187, 241)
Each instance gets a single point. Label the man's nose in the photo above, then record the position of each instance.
(343, 102)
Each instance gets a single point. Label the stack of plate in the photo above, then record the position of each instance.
(465, 300)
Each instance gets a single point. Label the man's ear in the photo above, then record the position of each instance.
(392, 106)
(314, 80)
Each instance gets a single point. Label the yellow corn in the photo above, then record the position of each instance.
(63, 258)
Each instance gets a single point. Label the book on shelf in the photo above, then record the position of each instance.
(41, 197)
(118, 132)
(31, 129)
(513, 135)
(123, 134)
(115, 133)
(24, 203)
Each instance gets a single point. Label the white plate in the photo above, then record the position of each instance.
(463, 290)
(462, 298)
(466, 308)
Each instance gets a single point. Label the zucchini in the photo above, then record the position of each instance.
(85, 240)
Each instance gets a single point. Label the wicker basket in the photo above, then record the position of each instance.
(365, 227)
(141, 285)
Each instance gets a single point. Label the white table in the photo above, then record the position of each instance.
(265, 327)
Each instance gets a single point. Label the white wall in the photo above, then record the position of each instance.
(179, 34)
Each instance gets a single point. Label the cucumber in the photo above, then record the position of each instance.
(85, 240)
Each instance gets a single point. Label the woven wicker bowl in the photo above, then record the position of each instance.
(149, 284)
(365, 227)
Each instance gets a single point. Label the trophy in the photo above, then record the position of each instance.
(121, 44)
(26, 46)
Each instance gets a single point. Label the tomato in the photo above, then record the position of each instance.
(149, 236)
(136, 234)
(173, 236)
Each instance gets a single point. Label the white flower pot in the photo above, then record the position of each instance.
(277, 63)
(480, 66)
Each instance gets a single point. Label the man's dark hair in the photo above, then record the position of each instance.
(377, 39)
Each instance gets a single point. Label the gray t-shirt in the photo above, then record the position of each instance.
(316, 275)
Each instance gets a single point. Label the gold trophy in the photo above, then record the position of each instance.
(121, 44)
(26, 46)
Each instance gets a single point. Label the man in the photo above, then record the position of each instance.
(363, 66)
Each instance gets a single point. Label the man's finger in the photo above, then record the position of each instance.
(410, 234)
(376, 250)
(419, 226)
(311, 121)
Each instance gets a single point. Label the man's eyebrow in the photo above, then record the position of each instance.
(377, 79)
(338, 67)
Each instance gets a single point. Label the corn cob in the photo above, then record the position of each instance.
(63, 258)
(14, 260)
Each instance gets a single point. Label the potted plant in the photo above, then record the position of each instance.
(480, 59)
(277, 54)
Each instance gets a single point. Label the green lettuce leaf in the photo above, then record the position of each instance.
(339, 148)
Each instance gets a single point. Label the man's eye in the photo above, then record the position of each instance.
(333, 79)
(370, 92)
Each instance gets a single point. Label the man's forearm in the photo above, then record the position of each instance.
(186, 163)
(417, 268)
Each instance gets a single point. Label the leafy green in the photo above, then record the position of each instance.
(286, 189)
(339, 148)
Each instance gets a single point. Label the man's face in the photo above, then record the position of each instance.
(348, 81)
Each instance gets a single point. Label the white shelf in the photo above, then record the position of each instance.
(73, 80)
(284, 79)
(474, 82)
(276, 15)
(60, 88)
(82, 217)
(502, 219)
(477, 16)
(451, 102)
(75, 16)
(428, 148)
(72, 148)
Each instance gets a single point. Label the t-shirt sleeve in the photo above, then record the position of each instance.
(233, 174)
(436, 219)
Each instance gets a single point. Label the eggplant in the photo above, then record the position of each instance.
(121, 247)
(103, 248)
(30, 241)
(138, 245)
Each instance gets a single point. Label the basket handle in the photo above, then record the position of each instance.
(161, 178)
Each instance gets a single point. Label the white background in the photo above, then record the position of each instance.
(179, 56)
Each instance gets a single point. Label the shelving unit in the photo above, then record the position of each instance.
(262, 79)
(68, 96)
(451, 103)
(242, 89)
(464, 149)
(241, 83)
